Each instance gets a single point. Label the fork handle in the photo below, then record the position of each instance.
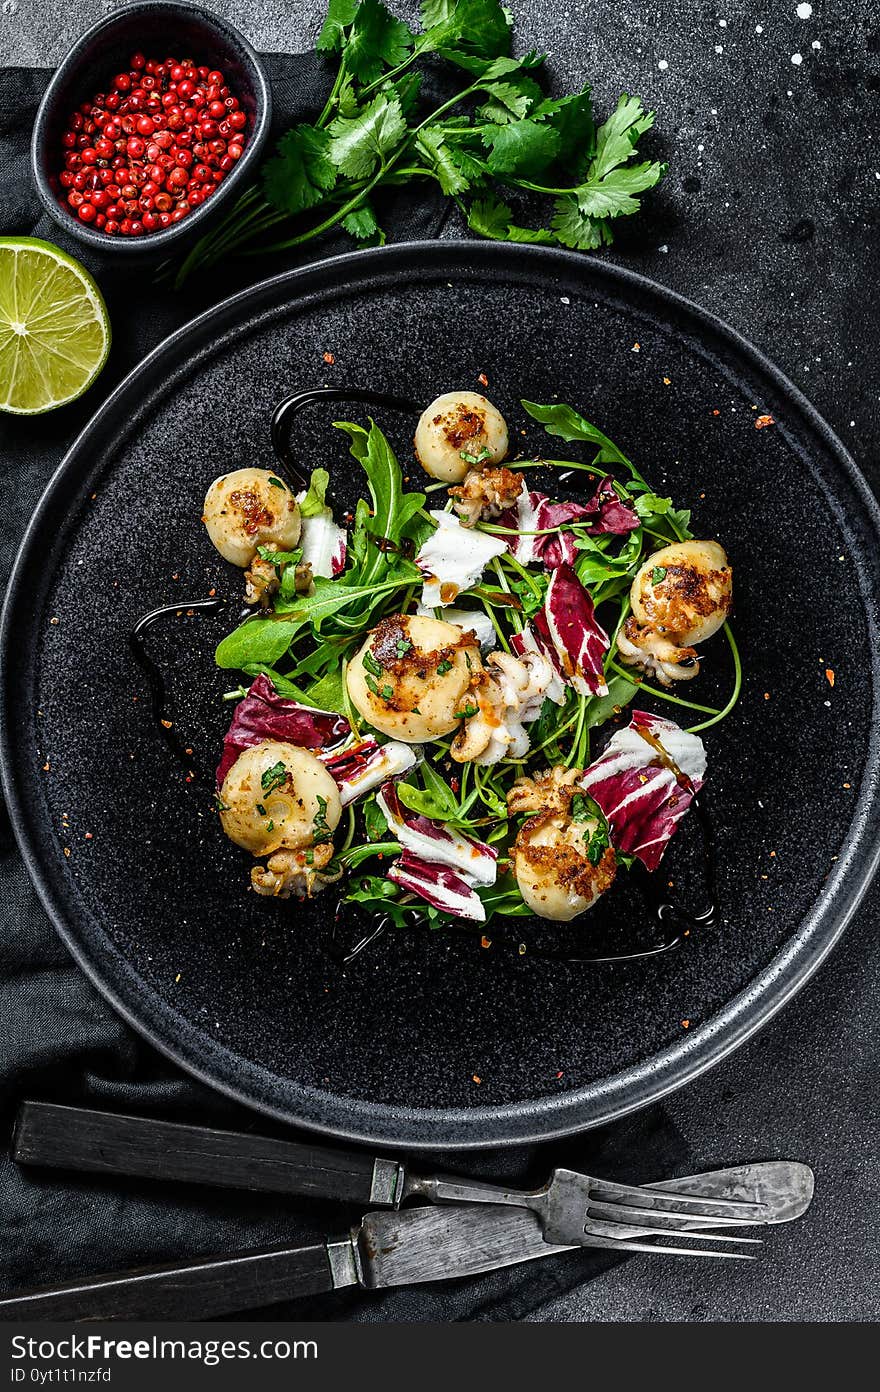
(77, 1138)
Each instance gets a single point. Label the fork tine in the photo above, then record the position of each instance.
(664, 1219)
(666, 1201)
(613, 1244)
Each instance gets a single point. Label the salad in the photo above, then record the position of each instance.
(432, 677)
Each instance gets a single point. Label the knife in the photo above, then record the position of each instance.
(77, 1138)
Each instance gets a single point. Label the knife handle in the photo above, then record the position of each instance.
(198, 1290)
(77, 1138)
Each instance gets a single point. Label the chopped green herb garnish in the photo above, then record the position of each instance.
(309, 857)
(443, 667)
(319, 822)
(371, 685)
(581, 811)
(270, 826)
(485, 453)
(261, 809)
(386, 692)
(220, 804)
(658, 574)
(404, 646)
(598, 843)
(466, 713)
(274, 777)
(276, 482)
(371, 664)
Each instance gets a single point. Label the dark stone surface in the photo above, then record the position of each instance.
(772, 224)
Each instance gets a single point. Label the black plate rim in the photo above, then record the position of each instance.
(608, 1098)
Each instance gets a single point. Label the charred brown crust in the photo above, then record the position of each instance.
(685, 591)
(460, 425)
(396, 653)
(563, 863)
(640, 635)
(255, 515)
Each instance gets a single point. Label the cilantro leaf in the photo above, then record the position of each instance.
(614, 193)
(377, 41)
(362, 225)
(523, 148)
(446, 163)
(572, 119)
(359, 143)
(456, 27)
(301, 172)
(576, 229)
(494, 219)
(509, 101)
(340, 14)
(617, 137)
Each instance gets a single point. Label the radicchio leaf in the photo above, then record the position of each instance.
(645, 782)
(264, 715)
(432, 842)
(364, 766)
(438, 885)
(580, 642)
(604, 512)
(324, 544)
(453, 558)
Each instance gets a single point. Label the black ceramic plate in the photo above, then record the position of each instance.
(129, 859)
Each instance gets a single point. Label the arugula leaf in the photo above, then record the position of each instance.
(301, 173)
(568, 424)
(381, 896)
(361, 142)
(377, 41)
(340, 14)
(375, 824)
(392, 507)
(267, 639)
(523, 148)
(328, 693)
(620, 692)
(279, 558)
(315, 500)
(492, 218)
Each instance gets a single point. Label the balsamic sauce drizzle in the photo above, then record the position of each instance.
(671, 916)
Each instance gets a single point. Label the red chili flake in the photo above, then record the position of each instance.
(166, 724)
(454, 784)
(559, 1074)
(716, 413)
(89, 836)
(67, 850)
(846, 785)
(328, 358)
(829, 675)
(483, 380)
(175, 576)
(212, 593)
(667, 381)
(685, 1024)
(477, 1079)
(485, 942)
(766, 695)
(763, 421)
(46, 766)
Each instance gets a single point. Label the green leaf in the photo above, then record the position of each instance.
(568, 424)
(328, 693)
(375, 824)
(362, 225)
(491, 218)
(315, 500)
(523, 148)
(359, 143)
(443, 161)
(617, 138)
(301, 173)
(265, 640)
(392, 507)
(614, 195)
(379, 895)
(461, 27)
(340, 14)
(377, 41)
(509, 101)
(572, 119)
(620, 692)
(575, 229)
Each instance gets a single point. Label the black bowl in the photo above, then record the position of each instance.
(155, 28)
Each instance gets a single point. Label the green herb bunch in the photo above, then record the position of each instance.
(496, 131)
(304, 646)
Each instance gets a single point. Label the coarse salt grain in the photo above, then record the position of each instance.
(797, 59)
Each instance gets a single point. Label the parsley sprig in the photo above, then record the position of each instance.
(496, 131)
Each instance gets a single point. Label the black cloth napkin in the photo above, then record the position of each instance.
(60, 1041)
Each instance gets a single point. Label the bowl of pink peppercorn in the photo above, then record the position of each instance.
(155, 119)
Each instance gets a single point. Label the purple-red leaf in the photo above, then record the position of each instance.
(264, 715)
(364, 766)
(644, 782)
(604, 512)
(438, 885)
(435, 843)
(580, 642)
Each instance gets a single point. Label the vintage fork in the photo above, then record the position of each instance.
(576, 1209)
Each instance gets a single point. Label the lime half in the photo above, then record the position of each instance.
(54, 330)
